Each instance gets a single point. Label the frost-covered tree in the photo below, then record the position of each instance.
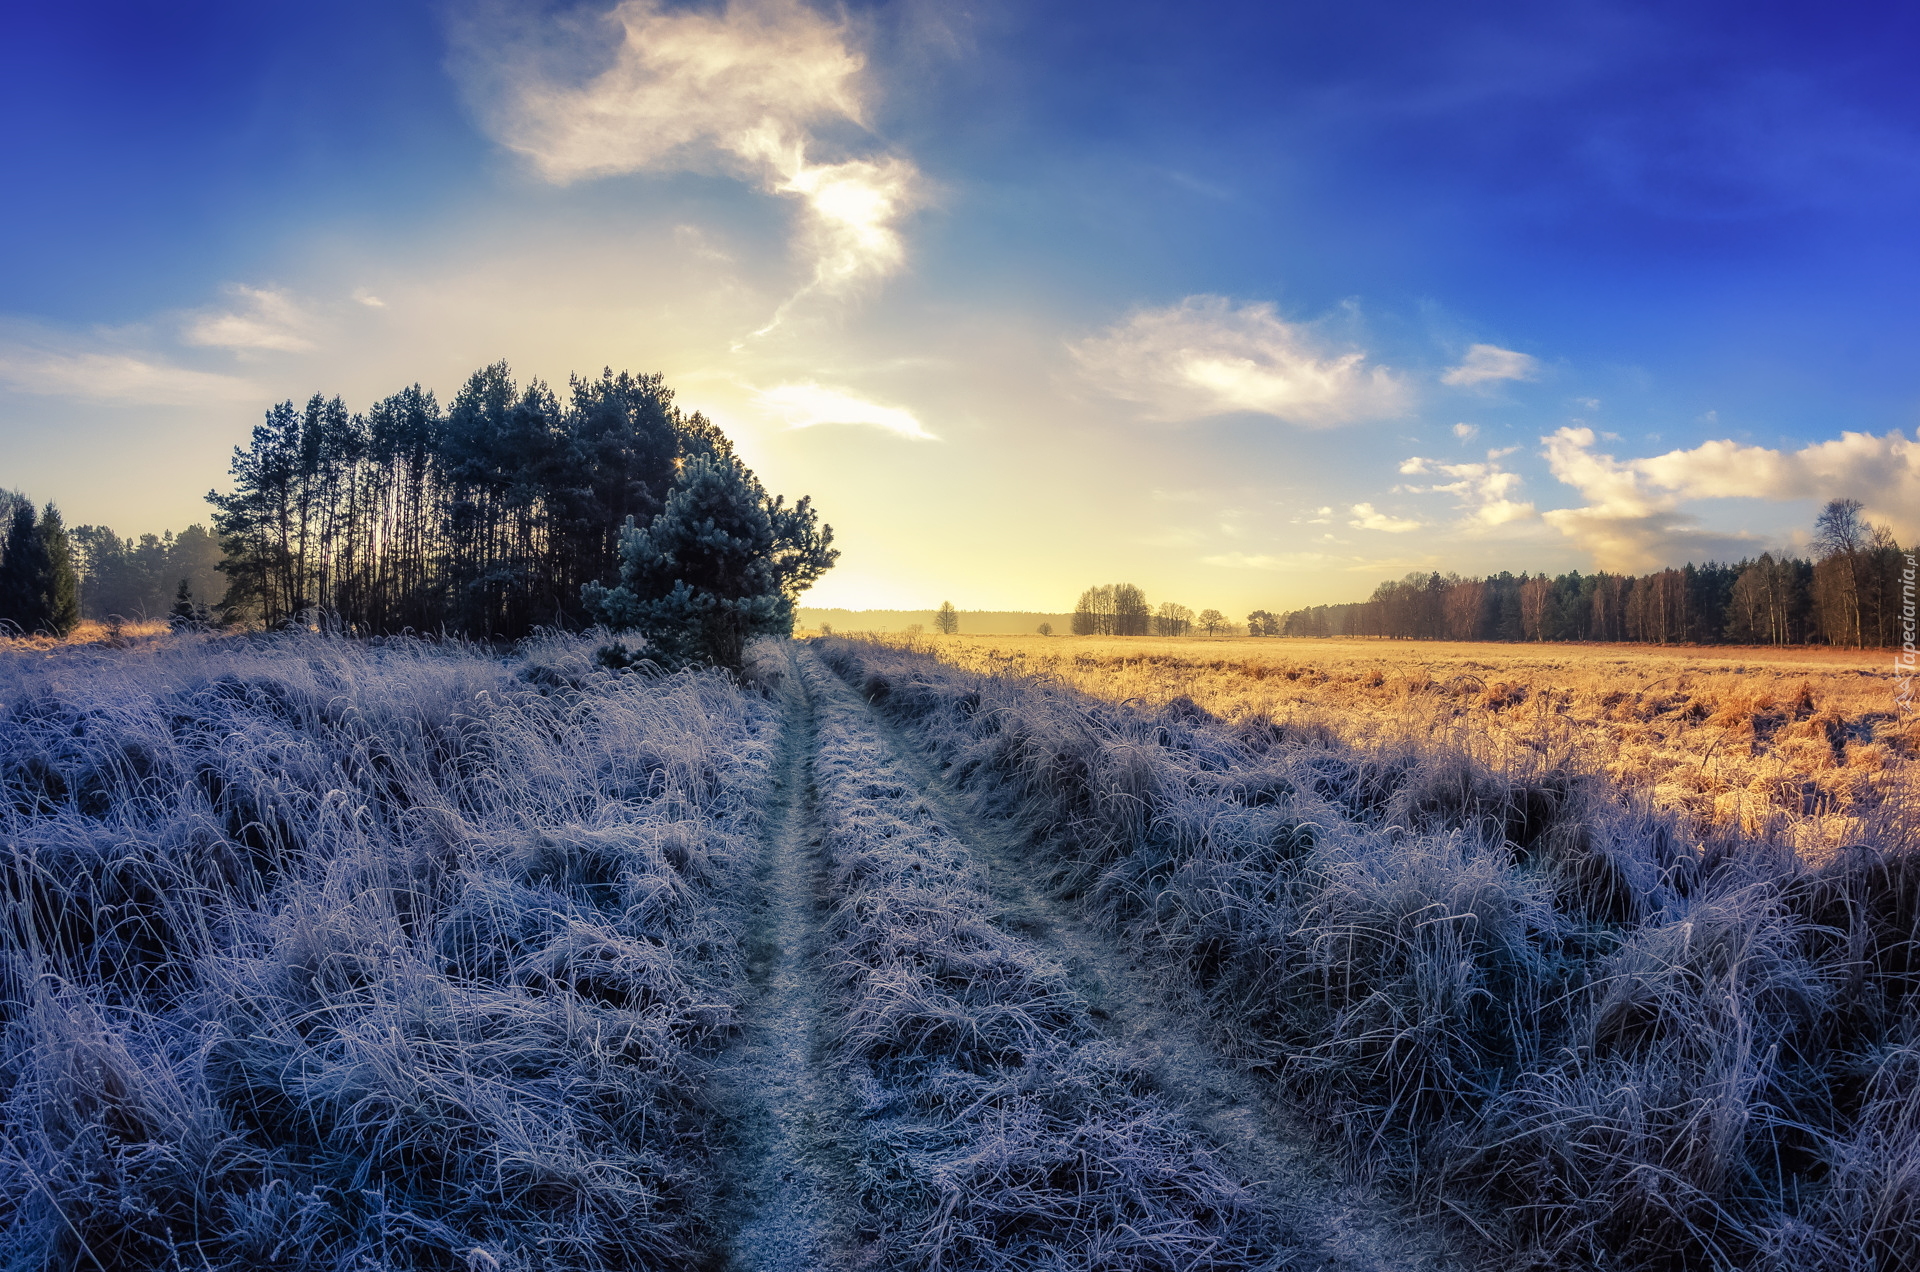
(721, 563)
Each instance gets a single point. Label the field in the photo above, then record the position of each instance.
(325, 954)
(1803, 744)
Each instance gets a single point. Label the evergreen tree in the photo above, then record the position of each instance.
(39, 591)
(61, 582)
(181, 616)
(19, 567)
(720, 564)
(947, 620)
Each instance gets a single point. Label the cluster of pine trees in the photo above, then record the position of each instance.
(39, 589)
(489, 518)
(1850, 593)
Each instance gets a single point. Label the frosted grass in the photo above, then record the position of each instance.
(999, 1129)
(1527, 997)
(329, 955)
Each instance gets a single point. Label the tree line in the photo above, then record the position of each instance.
(1849, 593)
(1121, 609)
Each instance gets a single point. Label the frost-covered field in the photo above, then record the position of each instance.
(1551, 1008)
(332, 955)
(320, 955)
(1000, 1130)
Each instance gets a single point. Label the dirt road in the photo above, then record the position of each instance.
(798, 1143)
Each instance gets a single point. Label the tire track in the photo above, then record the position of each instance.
(1345, 1226)
(788, 1210)
(1001, 1129)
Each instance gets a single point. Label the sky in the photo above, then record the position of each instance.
(1252, 305)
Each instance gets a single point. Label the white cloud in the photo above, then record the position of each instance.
(1485, 363)
(1633, 517)
(368, 299)
(1628, 522)
(1366, 518)
(116, 377)
(745, 89)
(261, 318)
(1484, 490)
(1203, 357)
(807, 405)
(1465, 432)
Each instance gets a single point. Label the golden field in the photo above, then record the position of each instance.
(1807, 744)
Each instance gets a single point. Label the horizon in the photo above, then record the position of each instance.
(1253, 308)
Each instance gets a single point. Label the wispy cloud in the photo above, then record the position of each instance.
(256, 318)
(1486, 364)
(1204, 357)
(1366, 517)
(114, 377)
(746, 89)
(1265, 560)
(1466, 432)
(808, 405)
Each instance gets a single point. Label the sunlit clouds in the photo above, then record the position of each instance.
(1634, 517)
(256, 318)
(1626, 524)
(1484, 490)
(1204, 357)
(1366, 517)
(750, 89)
(1884, 472)
(1487, 363)
(811, 405)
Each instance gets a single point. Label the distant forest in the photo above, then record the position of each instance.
(1853, 592)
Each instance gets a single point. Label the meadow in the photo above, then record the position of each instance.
(335, 954)
(1804, 744)
(1602, 1032)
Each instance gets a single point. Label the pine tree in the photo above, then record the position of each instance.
(61, 581)
(19, 608)
(720, 564)
(181, 616)
(39, 590)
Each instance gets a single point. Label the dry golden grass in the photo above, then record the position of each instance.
(1806, 744)
(90, 632)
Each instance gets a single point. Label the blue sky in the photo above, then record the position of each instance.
(1249, 304)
